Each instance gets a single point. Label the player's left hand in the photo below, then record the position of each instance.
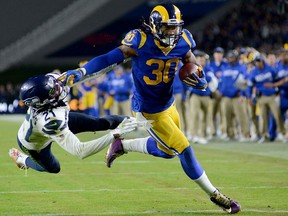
(127, 125)
(72, 76)
(143, 122)
(195, 81)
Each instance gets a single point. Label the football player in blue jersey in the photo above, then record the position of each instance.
(155, 51)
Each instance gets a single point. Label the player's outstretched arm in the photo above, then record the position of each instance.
(98, 63)
(70, 142)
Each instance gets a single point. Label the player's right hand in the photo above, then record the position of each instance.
(72, 76)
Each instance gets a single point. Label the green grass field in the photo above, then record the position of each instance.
(255, 175)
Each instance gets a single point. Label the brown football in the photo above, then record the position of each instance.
(187, 69)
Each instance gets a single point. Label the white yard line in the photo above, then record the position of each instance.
(20, 175)
(151, 212)
(130, 189)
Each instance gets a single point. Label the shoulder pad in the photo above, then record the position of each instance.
(135, 39)
(187, 36)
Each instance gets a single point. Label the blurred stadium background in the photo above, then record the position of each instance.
(39, 36)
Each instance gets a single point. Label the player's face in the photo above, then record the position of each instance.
(259, 64)
(170, 30)
(169, 34)
(218, 56)
(201, 60)
(271, 59)
(56, 91)
(232, 59)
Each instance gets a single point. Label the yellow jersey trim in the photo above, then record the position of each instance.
(186, 39)
(165, 50)
(143, 39)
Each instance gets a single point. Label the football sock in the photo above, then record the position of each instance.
(190, 164)
(135, 145)
(30, 163)
(205, 184)
(145, 145)
(22, 158)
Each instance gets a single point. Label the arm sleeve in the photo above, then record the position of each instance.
(103, 61)
(70, 143)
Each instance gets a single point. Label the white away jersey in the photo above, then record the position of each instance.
(38, 129)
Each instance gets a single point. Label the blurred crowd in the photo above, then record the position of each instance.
(259, 24)
(9, 102)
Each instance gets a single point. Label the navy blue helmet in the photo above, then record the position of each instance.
(165, 18)
(40, 91)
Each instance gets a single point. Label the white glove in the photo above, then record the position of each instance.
(143, 122)
(127, 125)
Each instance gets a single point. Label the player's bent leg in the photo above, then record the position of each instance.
(42, 161)
(80, 122)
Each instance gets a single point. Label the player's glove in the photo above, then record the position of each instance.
(195, 81)
(127, 125)
(143, 122)
(72, 76)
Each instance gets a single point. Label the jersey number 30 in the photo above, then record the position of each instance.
(162, 71)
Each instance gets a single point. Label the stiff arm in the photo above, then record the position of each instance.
(97, 74)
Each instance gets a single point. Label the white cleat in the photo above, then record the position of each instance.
(19, 158)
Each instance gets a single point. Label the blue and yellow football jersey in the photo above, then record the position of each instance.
(154, 69)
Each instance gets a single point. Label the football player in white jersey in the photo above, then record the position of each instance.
(48, 120)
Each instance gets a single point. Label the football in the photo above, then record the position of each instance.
(187, 69)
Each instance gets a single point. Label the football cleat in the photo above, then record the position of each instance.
(115, 150)
(228, 205)
(19, 158)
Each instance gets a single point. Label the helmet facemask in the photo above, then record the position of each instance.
(169, 34)
(55, 92)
